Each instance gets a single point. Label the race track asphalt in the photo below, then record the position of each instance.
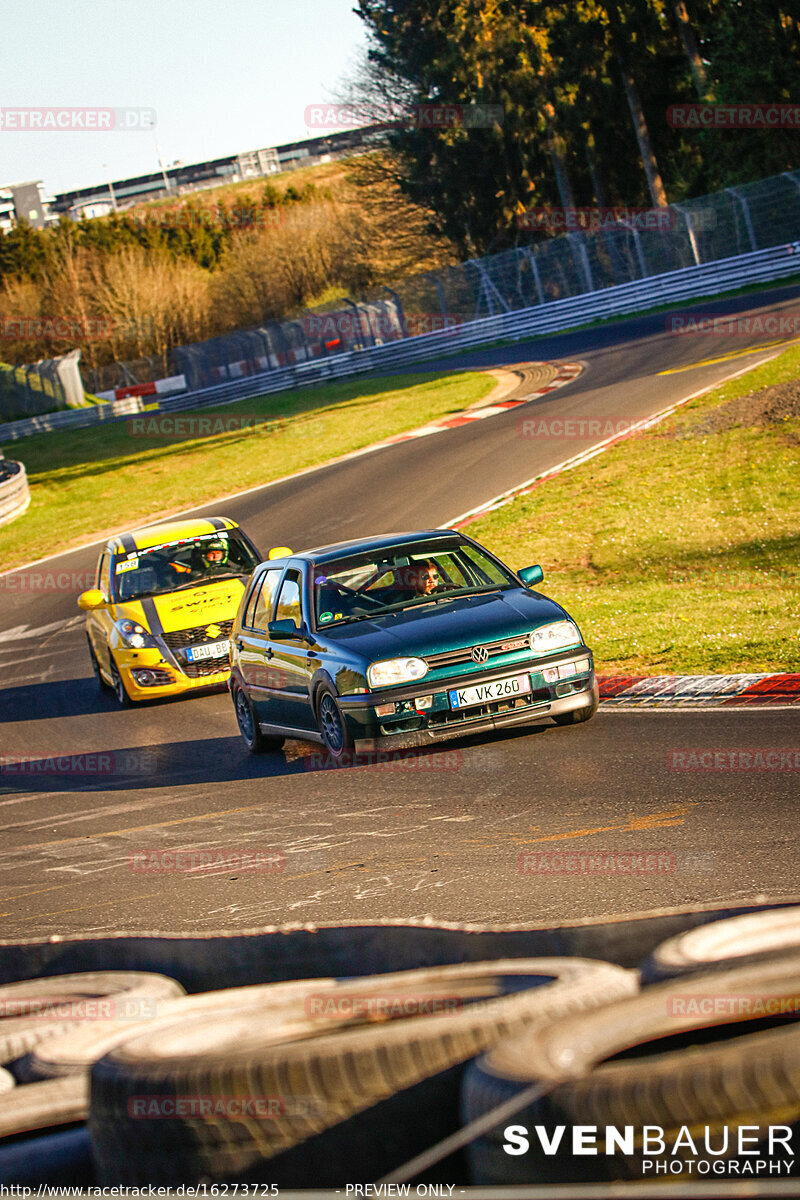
(476, 830)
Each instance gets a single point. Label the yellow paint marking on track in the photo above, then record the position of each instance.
(660, 820)
(710, 362)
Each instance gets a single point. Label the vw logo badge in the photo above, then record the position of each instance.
(479, 654)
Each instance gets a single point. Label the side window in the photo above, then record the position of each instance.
(289, 600)
(258, 615)
(104, 576)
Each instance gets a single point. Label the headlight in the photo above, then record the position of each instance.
(559, 635)
(134, 635)
(396, 670)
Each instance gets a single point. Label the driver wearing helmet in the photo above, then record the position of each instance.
(214, 554)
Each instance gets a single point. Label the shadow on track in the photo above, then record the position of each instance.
(220, 760)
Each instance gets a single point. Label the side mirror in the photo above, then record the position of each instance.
(279, 552)
(531, 575)
(94, 598)
(284, 629)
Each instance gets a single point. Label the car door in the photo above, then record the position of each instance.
(292, 660)
(254, 653)
(99, 621)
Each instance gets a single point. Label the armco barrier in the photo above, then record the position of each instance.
(76, 418)
(688, 283)
(14, 493)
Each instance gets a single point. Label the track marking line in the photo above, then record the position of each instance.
(661, 820)
(710, 362)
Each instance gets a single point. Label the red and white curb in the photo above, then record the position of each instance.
(699, 691)
(565, 374)
(161, 387)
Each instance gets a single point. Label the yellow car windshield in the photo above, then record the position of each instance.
(186, 562)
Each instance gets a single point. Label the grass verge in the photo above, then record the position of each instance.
(679, 549)
(87, 482)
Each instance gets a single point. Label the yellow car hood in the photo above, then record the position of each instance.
(201, 605)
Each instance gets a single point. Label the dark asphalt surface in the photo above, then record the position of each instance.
(439, 835)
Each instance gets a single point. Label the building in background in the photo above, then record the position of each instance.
(7, 216)
(180, 178)
(25, 202)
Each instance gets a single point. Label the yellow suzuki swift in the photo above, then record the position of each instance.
(159, 619)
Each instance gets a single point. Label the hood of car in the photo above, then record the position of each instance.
(447, 625)
(201, 605)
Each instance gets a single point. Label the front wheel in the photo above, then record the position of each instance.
(101, 683)
(579, 715)
(253, 738)
(336, 736)
(123, 699)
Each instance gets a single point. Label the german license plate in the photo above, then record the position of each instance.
(212, 650)
(486, 693)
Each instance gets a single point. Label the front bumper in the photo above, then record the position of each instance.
(175, 682)
(412, 727)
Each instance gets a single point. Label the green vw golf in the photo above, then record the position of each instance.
(400, 641)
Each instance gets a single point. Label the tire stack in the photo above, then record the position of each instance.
(293, 1083)
(711, 1042)
(329, 1082)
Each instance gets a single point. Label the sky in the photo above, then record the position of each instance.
(222, 76)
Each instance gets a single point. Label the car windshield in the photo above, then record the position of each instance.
(364, 585)
(185, 562)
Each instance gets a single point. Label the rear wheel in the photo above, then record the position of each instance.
(254, 739)
(123, 699)
(579, 715)
(335, 735)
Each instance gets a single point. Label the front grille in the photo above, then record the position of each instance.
(451, 658)
(497, 708)
(179, 639)
(206, 666)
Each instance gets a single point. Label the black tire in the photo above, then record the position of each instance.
(579, 715)
(752, 1079)
(256, 741)
(56, 1003)
(336, 737)
(43, 1105)
(75, 1050)
(326, 1069)
(102, 683)
(123, 699)
(728, 943)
